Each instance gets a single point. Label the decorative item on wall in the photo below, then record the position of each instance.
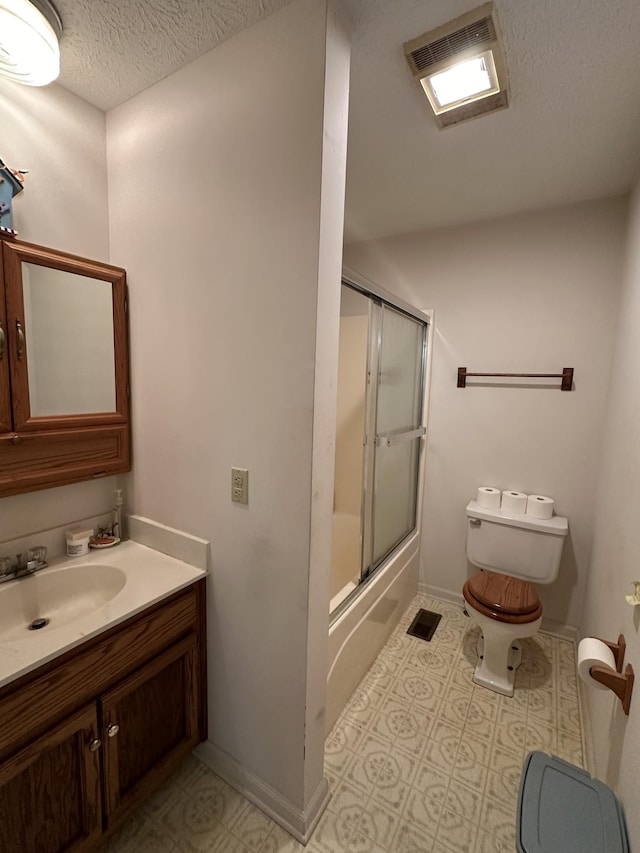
(29, 34)
(634, 598)
(11, 183)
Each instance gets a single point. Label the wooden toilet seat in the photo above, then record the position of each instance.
(503, 598)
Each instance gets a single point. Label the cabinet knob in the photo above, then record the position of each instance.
(16, 439)
(113, 729)
(95, 744)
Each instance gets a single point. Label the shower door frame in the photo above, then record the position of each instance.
(382, 297)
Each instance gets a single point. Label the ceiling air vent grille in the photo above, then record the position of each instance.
(472, 36)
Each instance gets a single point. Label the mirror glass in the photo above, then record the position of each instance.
(70, 348)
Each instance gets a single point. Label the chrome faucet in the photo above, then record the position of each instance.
(23, 568)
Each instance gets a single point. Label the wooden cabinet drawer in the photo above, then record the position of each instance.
(35, 702)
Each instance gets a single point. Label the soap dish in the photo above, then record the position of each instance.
(103, 542)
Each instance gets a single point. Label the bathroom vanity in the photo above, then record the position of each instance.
(116, 705)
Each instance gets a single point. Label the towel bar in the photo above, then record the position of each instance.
(566, 376)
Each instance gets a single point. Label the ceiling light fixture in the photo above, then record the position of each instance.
(461, 67)
(464, 82)
(29, 33)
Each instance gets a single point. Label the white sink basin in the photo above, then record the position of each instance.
(59, 595)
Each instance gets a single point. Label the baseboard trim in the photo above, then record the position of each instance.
(549, 626)
(442, 594)
(299, 823)
(559, 629)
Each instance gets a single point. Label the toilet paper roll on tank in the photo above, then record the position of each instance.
(511, 502)
(539, 506)
(488, 497)
(514, 503)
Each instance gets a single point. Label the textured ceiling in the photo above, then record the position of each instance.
(572, 131)
(113, 49)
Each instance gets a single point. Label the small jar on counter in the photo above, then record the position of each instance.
(78, 541)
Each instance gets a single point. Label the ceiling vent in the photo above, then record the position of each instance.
(460, 67)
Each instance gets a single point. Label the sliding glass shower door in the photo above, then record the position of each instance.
(396, 449)
(378, 441)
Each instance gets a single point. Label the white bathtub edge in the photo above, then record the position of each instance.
(355, 638)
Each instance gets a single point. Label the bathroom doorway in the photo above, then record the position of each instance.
(379, 429)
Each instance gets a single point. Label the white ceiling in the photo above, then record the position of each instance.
(571, 133)
(113, 49)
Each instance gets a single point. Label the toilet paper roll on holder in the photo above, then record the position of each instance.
(621, 684)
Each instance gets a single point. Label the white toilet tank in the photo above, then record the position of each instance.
(521, 546)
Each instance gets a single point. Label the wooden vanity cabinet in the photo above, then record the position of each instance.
(107, 724)
(64, 368)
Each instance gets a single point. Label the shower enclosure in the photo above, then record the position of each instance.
(381, 371)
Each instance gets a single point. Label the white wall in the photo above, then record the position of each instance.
(532, 293)
(215, 179)
(616, 547)
(60, 139)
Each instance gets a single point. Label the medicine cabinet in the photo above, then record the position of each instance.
(64, 374)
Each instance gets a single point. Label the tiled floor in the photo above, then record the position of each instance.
(421, 760)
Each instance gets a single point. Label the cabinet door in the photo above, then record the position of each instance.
(150, 722)
(50, 790)
(67, 339)
(5, 393)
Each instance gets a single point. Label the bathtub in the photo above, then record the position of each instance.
(359, 632)
(345, 556)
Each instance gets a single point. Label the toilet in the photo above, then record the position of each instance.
(513, 552)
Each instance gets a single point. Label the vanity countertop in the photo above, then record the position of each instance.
(150, 577)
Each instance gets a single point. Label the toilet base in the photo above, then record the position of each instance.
(502, 683)
(501, 650)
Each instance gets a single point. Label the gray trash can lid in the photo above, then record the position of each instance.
(561, 809)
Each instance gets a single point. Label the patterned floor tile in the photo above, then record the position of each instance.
(470, 773)
(379, 824)
(498, 819)
(424, 809)
(195, 828)
(252, 828)
(464, 800)
(331, 834)
(540, 735)
(348, 804)
(421, 760)
(411, 838)
(455, 833)
(394, 779)
(144, 835)
(473, 751)
(336, 755)
(280, 841)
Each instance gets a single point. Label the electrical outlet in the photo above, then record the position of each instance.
(240, 485)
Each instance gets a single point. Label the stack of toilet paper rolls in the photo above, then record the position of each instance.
(515, 503)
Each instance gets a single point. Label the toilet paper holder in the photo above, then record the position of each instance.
(621, 684)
